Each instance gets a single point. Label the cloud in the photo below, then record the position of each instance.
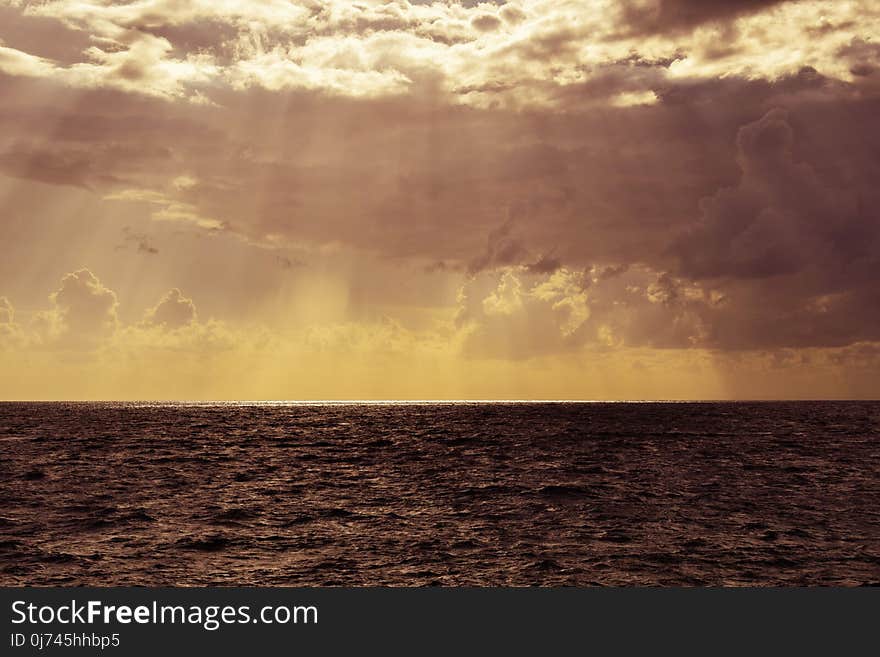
(165, 207)
(512, 14)
(648, 16)
(863, 57)
(16, 62)
(590, 333)
(7, 312)
(486, 22)
(689, 167)
(54, 166)
(521, 54)
(564, 291)
(193, 340)
(84, 317)
(173, 311)
(11, 334)
(502, 249)
(83, 309)
(792, 243)
(140, 241)
(511, 314)
(545, 264)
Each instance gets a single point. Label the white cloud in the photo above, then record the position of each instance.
(518, 55)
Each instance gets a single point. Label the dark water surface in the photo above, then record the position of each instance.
(451, 494)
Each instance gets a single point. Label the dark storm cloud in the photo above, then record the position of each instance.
(751, 198)
(780, 219)
(761, 191)
(94, 138)
(674, 15)
(503, 248)
(795, 243)
(863, 55)
(546, 264)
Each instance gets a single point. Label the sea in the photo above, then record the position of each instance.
(440, 494)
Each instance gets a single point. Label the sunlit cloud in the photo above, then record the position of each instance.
(518, 54)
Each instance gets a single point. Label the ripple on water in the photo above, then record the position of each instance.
(440, 494)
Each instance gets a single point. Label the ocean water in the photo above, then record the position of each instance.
(440, 494)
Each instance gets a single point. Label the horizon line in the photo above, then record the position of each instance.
(402, 401)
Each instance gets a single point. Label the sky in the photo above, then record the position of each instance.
(643, 199)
